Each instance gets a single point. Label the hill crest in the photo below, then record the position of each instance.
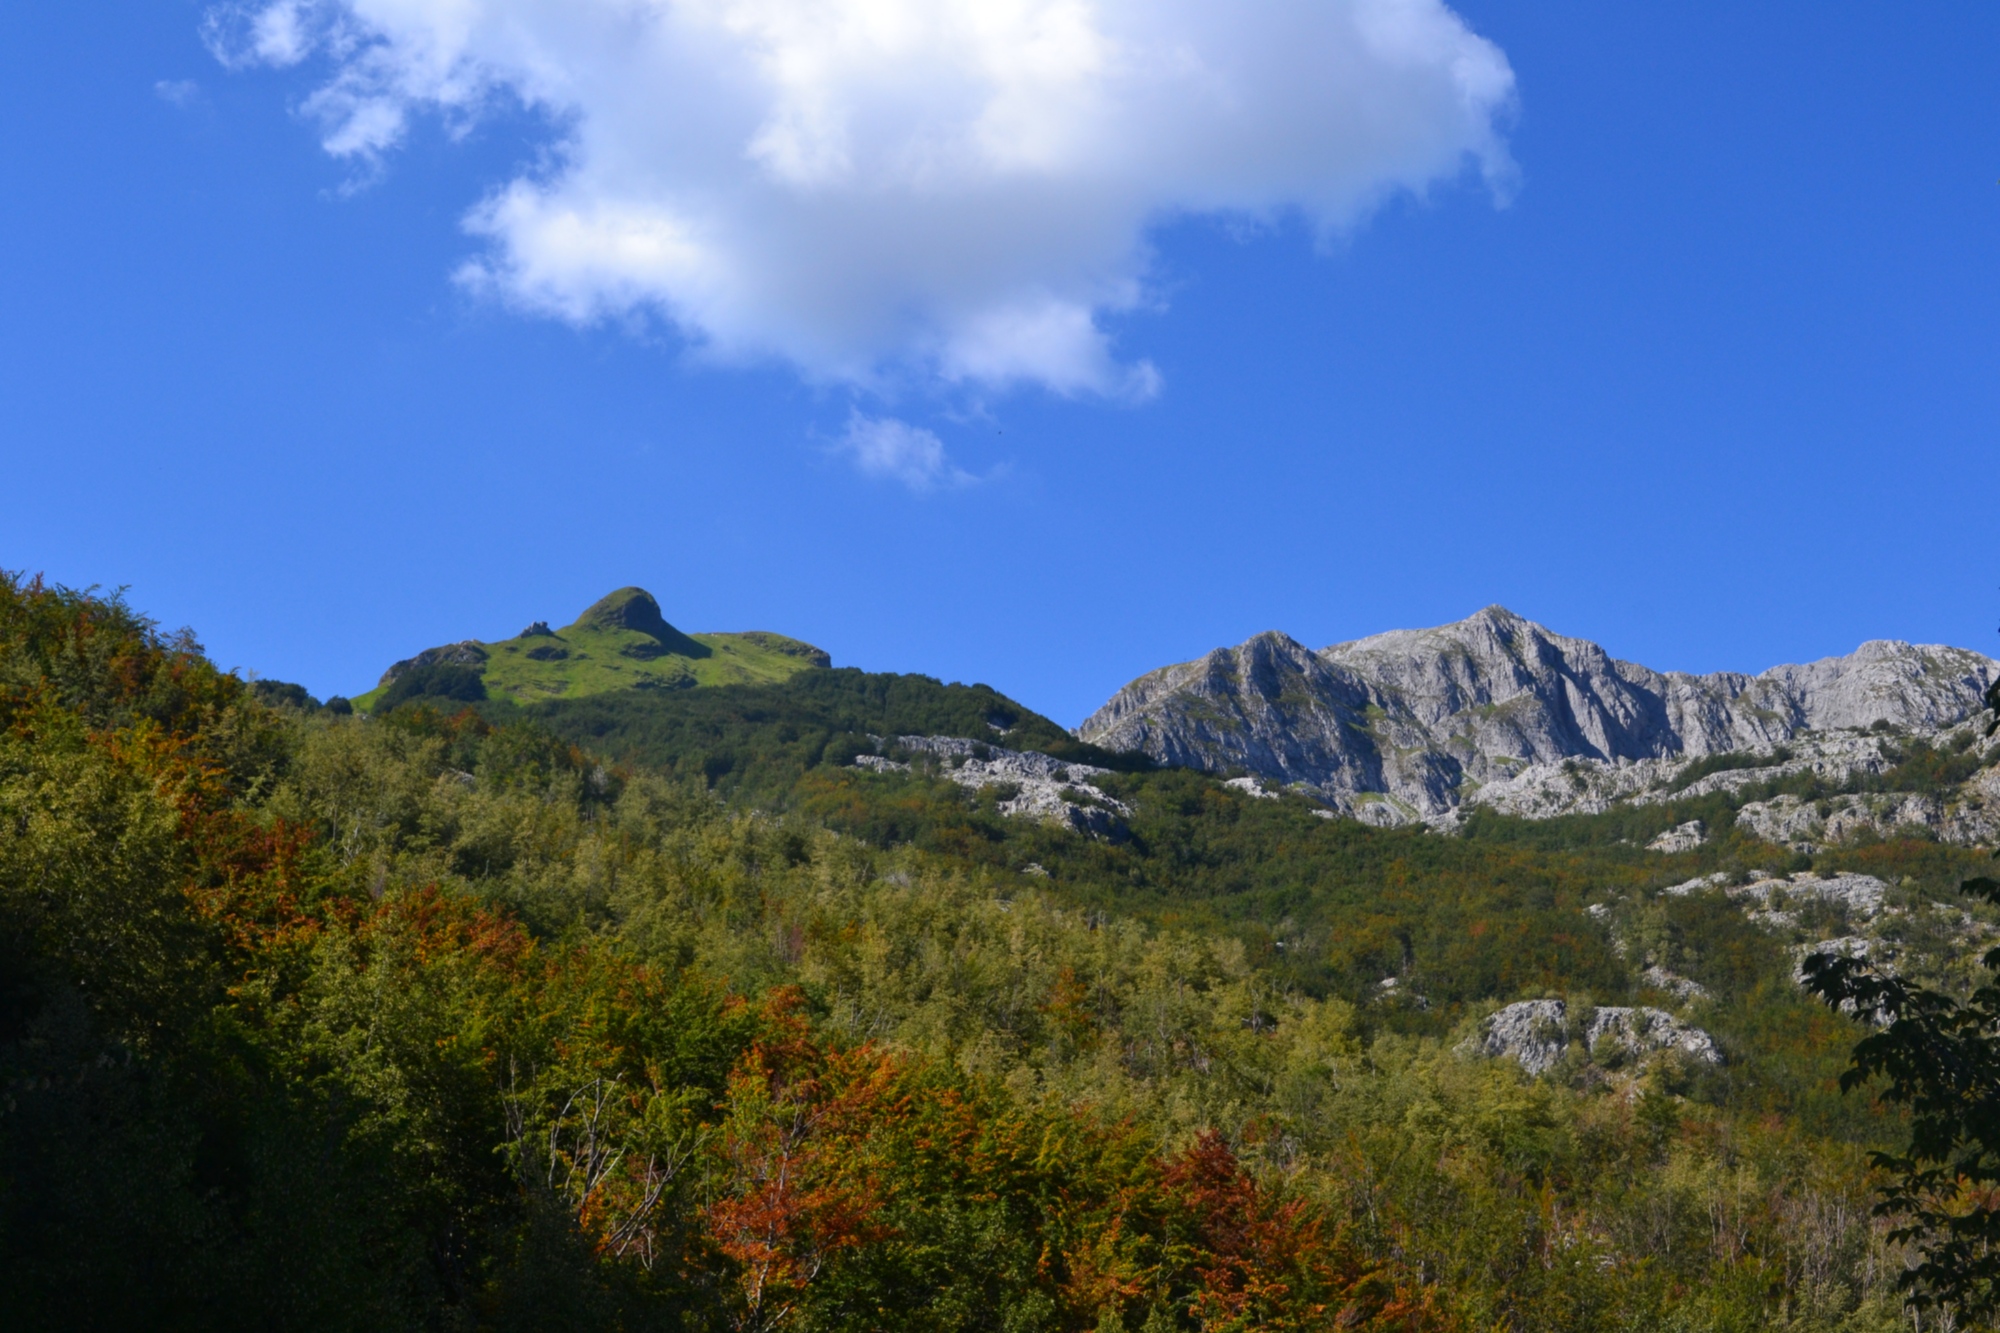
(622, 641)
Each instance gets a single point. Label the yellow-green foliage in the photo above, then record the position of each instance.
(1619, 1204)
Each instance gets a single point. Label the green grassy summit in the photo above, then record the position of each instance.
(622, 642)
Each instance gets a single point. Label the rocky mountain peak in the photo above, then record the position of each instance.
(636, 609)
(1908, 685)
(1409, 724)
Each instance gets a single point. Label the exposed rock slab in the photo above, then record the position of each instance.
(1775, 898)
(1046, 789)
(1972, 817)
(1592, 786)
(1778, 899)
(1536, 1033)
(1806, 826)
(1684, 989)
(1680, 838)
(1640, 1030)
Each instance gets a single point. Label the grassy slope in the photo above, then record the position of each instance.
(598, 655)
(603, 660)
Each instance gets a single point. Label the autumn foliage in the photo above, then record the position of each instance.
(431, 1022)
(368, 1104)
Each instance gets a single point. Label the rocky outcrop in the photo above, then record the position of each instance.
(1533, 1033)
(1843, 915)
(1879, 955)
(1972, 816)
(469, 653)
(1781, 901)
(1806, 826)
(1269, 705)
(1411, 725)
(1537, 1033)
(1590, 786)
(1680, 838)
(1777, 900)
(1640, 1031)
(1682, 988)
(1029, 785)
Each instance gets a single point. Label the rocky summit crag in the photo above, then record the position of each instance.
(1412, 725)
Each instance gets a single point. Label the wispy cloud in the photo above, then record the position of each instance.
(177, 92)
(269, 32)
(959, 189)
(887, 447)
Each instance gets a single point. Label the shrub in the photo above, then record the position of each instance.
(461, 684)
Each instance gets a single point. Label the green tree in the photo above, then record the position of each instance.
(1939, 1056)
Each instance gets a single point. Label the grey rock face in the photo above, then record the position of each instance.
(1045, 789)
(1409, 725)
(1973, 817)
(1590, 786)
(1842, 915)
(1537, 1032)
(1681, 988)
(1270, 705)
(1252, 788)
(1805, 826)
(1775, 899)
(1880, 957)
(1533, 1032)
(1680, 838)
(1861, 895)
(1640, 1031)
(1700, 884)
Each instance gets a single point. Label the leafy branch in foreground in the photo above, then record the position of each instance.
(1940, 1057)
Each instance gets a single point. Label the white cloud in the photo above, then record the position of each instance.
(886, 447)
(264, 32)
(963, 187)
(177, 92)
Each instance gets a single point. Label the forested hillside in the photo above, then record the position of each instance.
(595, 1018)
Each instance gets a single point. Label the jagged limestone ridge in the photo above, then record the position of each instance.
(1426, 718)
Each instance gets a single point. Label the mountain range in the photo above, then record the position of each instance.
(1412, 725)
(1406, 727)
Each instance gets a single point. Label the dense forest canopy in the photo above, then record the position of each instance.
(655, 1012)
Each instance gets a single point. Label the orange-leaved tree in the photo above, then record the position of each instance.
(803, 1156)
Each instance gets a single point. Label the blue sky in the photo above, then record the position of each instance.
(1711, 380)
